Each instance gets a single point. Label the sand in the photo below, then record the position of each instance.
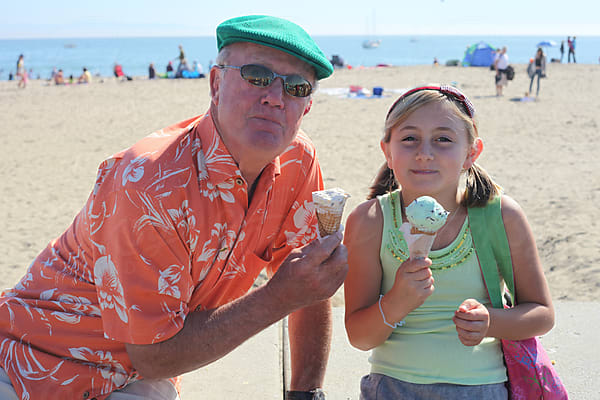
(544, 153)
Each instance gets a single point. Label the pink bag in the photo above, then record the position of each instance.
(530, 371)
(531, 375)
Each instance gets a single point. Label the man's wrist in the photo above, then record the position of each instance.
(315, 394)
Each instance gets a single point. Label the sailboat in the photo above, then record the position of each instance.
(371, 43)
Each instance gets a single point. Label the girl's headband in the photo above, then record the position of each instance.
(447, 90)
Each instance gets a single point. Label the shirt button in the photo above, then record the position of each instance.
(239, 181)
(86, 395)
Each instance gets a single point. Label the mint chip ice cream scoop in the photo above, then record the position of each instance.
(426, 215)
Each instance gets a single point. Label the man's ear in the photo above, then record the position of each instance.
(474, 153)
(308, 107)
(215, 82)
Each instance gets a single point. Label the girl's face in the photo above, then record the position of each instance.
(429, 150)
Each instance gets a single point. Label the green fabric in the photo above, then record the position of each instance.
(493, 250)
(277, 33)
(427, 349)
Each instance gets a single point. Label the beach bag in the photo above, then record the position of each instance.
(530, 371)
(510, 72)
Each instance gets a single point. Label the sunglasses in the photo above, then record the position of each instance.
(260, 76)
(450, 92)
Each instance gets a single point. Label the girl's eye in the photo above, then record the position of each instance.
(409, 139)
(444, 139)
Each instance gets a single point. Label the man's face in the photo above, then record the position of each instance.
(257, 123)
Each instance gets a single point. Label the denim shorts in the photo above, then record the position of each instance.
(382, 387)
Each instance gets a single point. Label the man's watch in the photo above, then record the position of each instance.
(315, 394)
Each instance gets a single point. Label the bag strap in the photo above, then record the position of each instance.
(491, 246)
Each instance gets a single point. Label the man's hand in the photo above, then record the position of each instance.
(472, 321)
(311, 273)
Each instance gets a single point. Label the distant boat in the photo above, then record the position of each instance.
(371, 43)
(70, 46)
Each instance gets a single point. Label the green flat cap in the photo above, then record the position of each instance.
(277, 33)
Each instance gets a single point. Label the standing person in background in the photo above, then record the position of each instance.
(539, 63)
(154, 277)
(562, 50)
(570, 47)
(21, 72)
(572, 50)
(181, 58)
(500, 64)
(151, 71)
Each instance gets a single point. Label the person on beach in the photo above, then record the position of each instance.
(151, 71)
(571, 43)
(500, 65)
(21, 72)
(59, 78)
(169, 70)
(85, 77)
(153, 278)
(538, 69)
(429, 321)
(562, 50)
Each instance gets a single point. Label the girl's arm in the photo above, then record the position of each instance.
(534, 313)
(364, 322)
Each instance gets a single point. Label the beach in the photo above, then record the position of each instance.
(543, 153)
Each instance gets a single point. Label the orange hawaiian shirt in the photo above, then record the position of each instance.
(167, 229)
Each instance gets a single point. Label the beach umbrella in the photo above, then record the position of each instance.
(546, 43)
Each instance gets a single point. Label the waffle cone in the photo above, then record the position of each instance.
(329, 221)
(415, 231)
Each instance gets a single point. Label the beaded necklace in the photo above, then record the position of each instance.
(397, 245)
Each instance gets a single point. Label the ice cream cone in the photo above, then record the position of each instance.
(419, 244)
(329, 206)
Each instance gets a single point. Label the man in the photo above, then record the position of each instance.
(571, 43)
(151, 280)
(500, 65)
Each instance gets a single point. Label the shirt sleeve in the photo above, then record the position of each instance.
(141, 267)
(300, 225)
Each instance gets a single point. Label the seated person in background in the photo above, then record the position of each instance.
(170, 70)
(85, 77)
(59, 78)
(118, 71)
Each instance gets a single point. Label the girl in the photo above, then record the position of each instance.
(429, 321)
(539, 63)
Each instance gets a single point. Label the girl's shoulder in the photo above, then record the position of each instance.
(366, 217)
(366, 212)
(513, 215)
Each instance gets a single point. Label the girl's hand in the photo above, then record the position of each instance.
(472, 321)
(412, 286)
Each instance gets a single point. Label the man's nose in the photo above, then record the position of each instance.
(274, 93)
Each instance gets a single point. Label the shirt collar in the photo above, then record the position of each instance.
(215, 153)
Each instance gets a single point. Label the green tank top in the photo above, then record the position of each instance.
(426, 349)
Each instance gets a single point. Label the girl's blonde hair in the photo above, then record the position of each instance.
(479, 185)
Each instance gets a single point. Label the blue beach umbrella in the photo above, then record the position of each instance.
(546, 43)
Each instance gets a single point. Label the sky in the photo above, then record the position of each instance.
(127, 18)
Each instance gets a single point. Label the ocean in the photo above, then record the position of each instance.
(135, 54)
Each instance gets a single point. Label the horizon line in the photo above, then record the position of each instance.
(150, 36)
